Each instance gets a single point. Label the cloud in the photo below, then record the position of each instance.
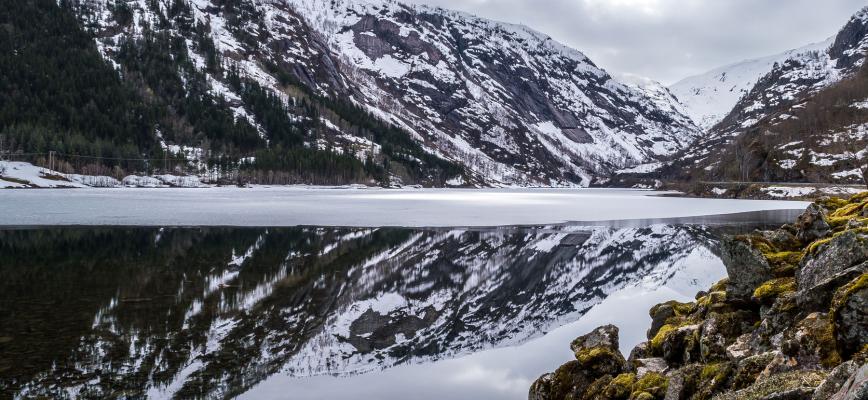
(670, 39)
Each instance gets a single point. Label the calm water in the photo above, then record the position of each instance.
(312, 312)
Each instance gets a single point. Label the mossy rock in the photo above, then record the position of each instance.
(599, 361)
(567, 380)
(669, 313)
(712, 379)
(652, 384)
(596, 389)
(749, 369)
(779, 383)
(720, 286)
(620, 387)
(771, 289)
(812, 342)
(849, 316)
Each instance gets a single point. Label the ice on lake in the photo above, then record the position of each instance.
(296, 206)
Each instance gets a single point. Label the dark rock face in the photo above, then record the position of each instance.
(812, 224)
(747, 269)
(850, 315)
(841, 260)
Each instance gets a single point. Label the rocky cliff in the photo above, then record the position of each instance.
(790, 322)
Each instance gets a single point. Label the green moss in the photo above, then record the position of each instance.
(657, 340)
(832, 203)
(642, 396)
(773, 288)
(720, 286)
(680, 309)
(784, 257)
(750, 368)
(652, 383)
(597, 388)
(594, 354)
(858, 198)
(620, 388)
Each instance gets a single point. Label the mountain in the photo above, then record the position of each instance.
(503, 99)
(324, 91)
(709, 97)
(802, 121)
(210, 312)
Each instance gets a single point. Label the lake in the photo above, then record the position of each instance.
(320, 294)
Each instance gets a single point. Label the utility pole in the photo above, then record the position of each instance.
(50, 160)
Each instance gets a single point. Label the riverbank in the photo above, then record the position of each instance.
(790, 322)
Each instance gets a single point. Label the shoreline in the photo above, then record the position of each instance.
(789, 322)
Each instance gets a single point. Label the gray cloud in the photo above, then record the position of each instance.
(670, 39)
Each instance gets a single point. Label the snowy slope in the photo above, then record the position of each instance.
(709, 97)
(503, 99)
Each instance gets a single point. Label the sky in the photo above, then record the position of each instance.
(668, 40)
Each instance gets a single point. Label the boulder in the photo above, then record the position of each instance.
(748, 369)
(746, 266)
(811, 224)
(642, 350)
(850, 316)
(681, 345)
(604, 336)
(835, 380)
(832, 265)
(541, 389)
(645, 365)
(856, 387)
(811, 343)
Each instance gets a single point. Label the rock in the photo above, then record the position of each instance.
(662, 313)
(568, 380)
(641, 350)
(721, 329)
(541, 389)
(748, 369)
(604, 336)
(597, 388)
(620, 388)
(645, 365)
(598, 353)
(835, 380)
(835, 263)
(811, 343)
(856, 387)
(681, 345)
(779, 386)
(740, 349)
(746, 266)
(812, 224)
(850, 316)
(682, 382)
(651, 386)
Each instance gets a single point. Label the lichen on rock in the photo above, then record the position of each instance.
(790, 322)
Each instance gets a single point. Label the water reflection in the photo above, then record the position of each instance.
(183, 312)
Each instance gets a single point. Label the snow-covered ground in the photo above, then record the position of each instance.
(292, 206)
(18, 175)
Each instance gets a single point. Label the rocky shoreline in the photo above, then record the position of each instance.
(790, 322)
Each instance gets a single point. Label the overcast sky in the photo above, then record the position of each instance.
(670, 39)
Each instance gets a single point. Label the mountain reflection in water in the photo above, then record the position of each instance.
(210, 312)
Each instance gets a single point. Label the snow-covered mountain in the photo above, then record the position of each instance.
(508, 103)
(241, 305)
(802, 120)
(709, 97)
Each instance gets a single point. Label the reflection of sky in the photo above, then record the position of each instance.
(504, 373)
